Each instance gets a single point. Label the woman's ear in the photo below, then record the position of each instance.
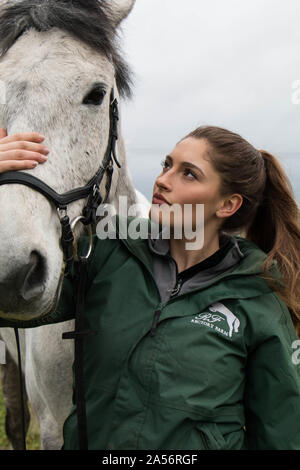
(229, 206)
(120, 9)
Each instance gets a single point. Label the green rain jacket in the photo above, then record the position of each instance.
(217, 372)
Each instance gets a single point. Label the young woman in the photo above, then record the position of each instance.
(195, 349)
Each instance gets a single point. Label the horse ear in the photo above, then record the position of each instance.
(120, 9)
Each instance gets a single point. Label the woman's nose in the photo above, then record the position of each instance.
(164, 181)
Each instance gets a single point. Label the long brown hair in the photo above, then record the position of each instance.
(269, 215)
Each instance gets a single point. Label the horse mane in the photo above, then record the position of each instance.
(90, 21)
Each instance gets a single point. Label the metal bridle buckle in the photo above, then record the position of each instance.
(73, 224)
(62, 212)
(96, 190)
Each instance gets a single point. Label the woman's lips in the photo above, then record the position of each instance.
(158, 199)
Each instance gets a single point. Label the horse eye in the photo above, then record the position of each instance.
(95, 97)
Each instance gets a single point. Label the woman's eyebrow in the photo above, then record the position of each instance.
(186, 165)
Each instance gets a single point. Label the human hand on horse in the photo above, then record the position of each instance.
(21, 151)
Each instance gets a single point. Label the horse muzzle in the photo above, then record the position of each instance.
(24, 284)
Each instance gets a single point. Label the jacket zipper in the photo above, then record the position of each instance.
(155, 322)
(177, 288)
(157, 313)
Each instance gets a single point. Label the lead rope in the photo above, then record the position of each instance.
(79, 335)
(21, 387)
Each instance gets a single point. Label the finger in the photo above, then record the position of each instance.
(29, 137)
(17, 165)
(22, 155)
(3, 133)
(31, 146)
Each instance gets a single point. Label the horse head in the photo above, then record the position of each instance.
(59, 63)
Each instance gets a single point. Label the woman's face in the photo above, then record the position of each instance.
(188, 177)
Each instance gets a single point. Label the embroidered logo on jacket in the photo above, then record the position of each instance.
(216, 319)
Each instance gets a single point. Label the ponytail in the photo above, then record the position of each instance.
(276, 230)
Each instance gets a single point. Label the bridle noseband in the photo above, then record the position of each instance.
(90, 190)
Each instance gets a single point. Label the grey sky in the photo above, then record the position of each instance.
(226, 63)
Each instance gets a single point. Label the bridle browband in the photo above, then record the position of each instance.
(90, 190)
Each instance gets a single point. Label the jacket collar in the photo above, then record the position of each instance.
(161, 245)
(250, 255)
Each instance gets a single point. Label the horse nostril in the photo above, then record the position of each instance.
(35, 276)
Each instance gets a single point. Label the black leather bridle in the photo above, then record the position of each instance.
(90, 190)
(88, 217)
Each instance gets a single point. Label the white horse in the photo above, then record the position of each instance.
(59, 62)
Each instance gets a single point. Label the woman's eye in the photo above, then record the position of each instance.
(164, 164)
(190, 174)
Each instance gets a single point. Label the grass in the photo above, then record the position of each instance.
(33, 437)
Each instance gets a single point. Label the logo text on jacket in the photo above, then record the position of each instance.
(216, 317)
